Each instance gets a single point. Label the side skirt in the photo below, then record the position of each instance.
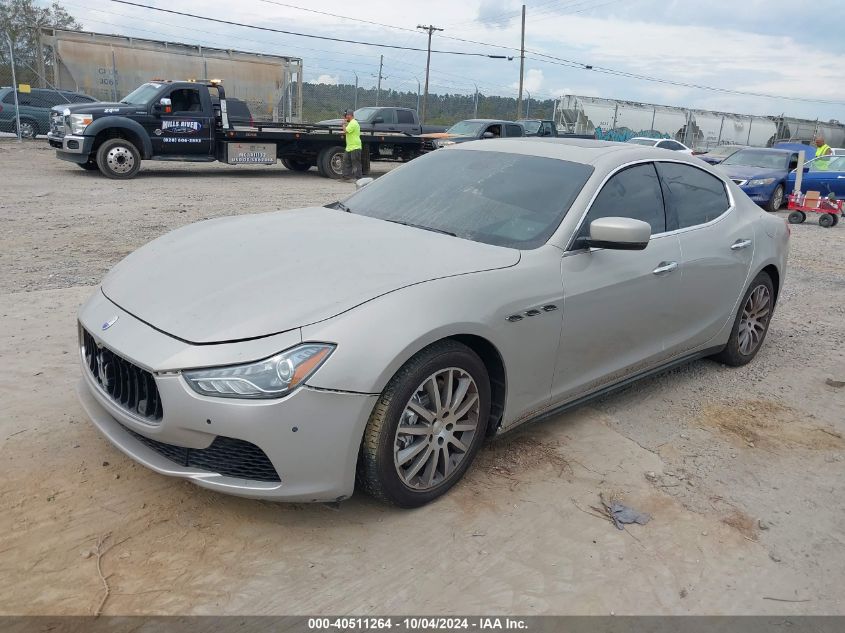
(604, 391)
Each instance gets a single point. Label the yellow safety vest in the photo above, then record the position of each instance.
(822, 165)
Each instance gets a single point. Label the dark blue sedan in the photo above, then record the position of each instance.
(825, 174)
(761, 173)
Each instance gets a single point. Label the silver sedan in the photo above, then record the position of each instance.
(380, 340)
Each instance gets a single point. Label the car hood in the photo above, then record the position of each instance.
(96, 107)
(745, 172)
(251, 276)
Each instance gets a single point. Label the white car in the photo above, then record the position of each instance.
(663, 143)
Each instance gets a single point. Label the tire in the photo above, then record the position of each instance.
(91, 165)
(835, 219)
(797, 217)
(827, 220)
(294, 164)
(119, 159)
(747, 335)
(424, 474)
(330, 162)
(776, 201)
(29, 128)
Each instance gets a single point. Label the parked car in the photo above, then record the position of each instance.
(825, 174)
(716, 155)
(383, 119)
(761, 173)
(34, 109)
(452, 299)
(662, 143)
(472, 130)
(538, 127)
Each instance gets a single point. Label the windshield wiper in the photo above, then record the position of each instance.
(425, 228)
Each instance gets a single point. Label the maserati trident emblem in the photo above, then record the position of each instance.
(105, 326)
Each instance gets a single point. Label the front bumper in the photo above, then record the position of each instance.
(71, 147)
(760, 195)
(310, 437)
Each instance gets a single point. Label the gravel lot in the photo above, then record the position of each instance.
(742, 469)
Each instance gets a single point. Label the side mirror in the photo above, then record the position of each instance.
(488, 135)
(378, 119)
(625, 234)
(164, 105)
(362, 182)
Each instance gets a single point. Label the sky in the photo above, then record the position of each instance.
(781, 48)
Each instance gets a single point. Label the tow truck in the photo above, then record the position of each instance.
(169, 120)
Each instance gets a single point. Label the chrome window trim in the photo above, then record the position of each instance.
(731, 201)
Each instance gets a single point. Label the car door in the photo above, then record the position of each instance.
(717, 247)
(189, 128)
(514, 129)
(618, 304)
(405, 122)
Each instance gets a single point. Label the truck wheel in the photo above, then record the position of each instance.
(826, 220)
(330, 162)
(294, 164)
(118, 158)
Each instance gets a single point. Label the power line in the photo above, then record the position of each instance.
(308, 35)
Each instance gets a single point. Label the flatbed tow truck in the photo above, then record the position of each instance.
(167, 120)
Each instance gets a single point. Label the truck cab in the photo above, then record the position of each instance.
(539, 127)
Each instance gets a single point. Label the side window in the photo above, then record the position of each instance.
(664, 145)
(631, 193)
(388, 114)
(793, 162)
(514, 130)
(186, 100)
(405, 117)
(10, 97)
(692, 195)
(495, 130)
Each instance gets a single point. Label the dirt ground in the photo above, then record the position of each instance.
(742, 469)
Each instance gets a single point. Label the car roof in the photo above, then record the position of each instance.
(489, 121)
(769, 150)
(577, 150)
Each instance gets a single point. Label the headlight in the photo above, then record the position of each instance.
(274, 377)
(78, 122)
(759, 182)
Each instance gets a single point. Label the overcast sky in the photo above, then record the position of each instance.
(779, 47)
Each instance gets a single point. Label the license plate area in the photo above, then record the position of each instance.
(251, 153)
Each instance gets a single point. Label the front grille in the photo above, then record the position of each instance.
(57, 124)
(226, 456)
(428, 145)
(130, 387)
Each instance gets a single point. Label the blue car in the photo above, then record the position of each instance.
(761, 173)
(825, 174)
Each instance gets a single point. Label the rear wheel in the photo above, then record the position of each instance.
(28, 129)
(294, 164)
(118, 158)
(826, 220)
(776, 201)
(426, 427)
(751, 324)
(330, 162)
(797, 217)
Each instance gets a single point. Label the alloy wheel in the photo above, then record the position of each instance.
(755, 319)
(777, 198)
(27, 130)
(436, 429)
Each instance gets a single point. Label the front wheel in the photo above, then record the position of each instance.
(797, 217)
(119, 159)
(776, 201)
(751, 324)
(826, 220)
(426, 427)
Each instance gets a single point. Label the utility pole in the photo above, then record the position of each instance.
(378, 88)
(521, 67)
(14, 86)
(430, 30)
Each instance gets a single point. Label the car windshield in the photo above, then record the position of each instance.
(365, 114)
(466, 128)
(142, 95)
(758, 158)
(496, 198)
(531, 127)
(643, 141)
(724, 150)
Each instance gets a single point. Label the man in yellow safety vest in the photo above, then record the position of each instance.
(352, 156)
(822, 149)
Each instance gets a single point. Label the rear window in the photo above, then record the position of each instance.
(497, 198)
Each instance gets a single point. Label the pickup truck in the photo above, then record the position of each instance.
(539, 127)
(393, 120)
(472, 130)
(189, 121)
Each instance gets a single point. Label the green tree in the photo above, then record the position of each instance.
(21, 20)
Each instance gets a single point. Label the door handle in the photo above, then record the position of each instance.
(665, 267)
(740, 244)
